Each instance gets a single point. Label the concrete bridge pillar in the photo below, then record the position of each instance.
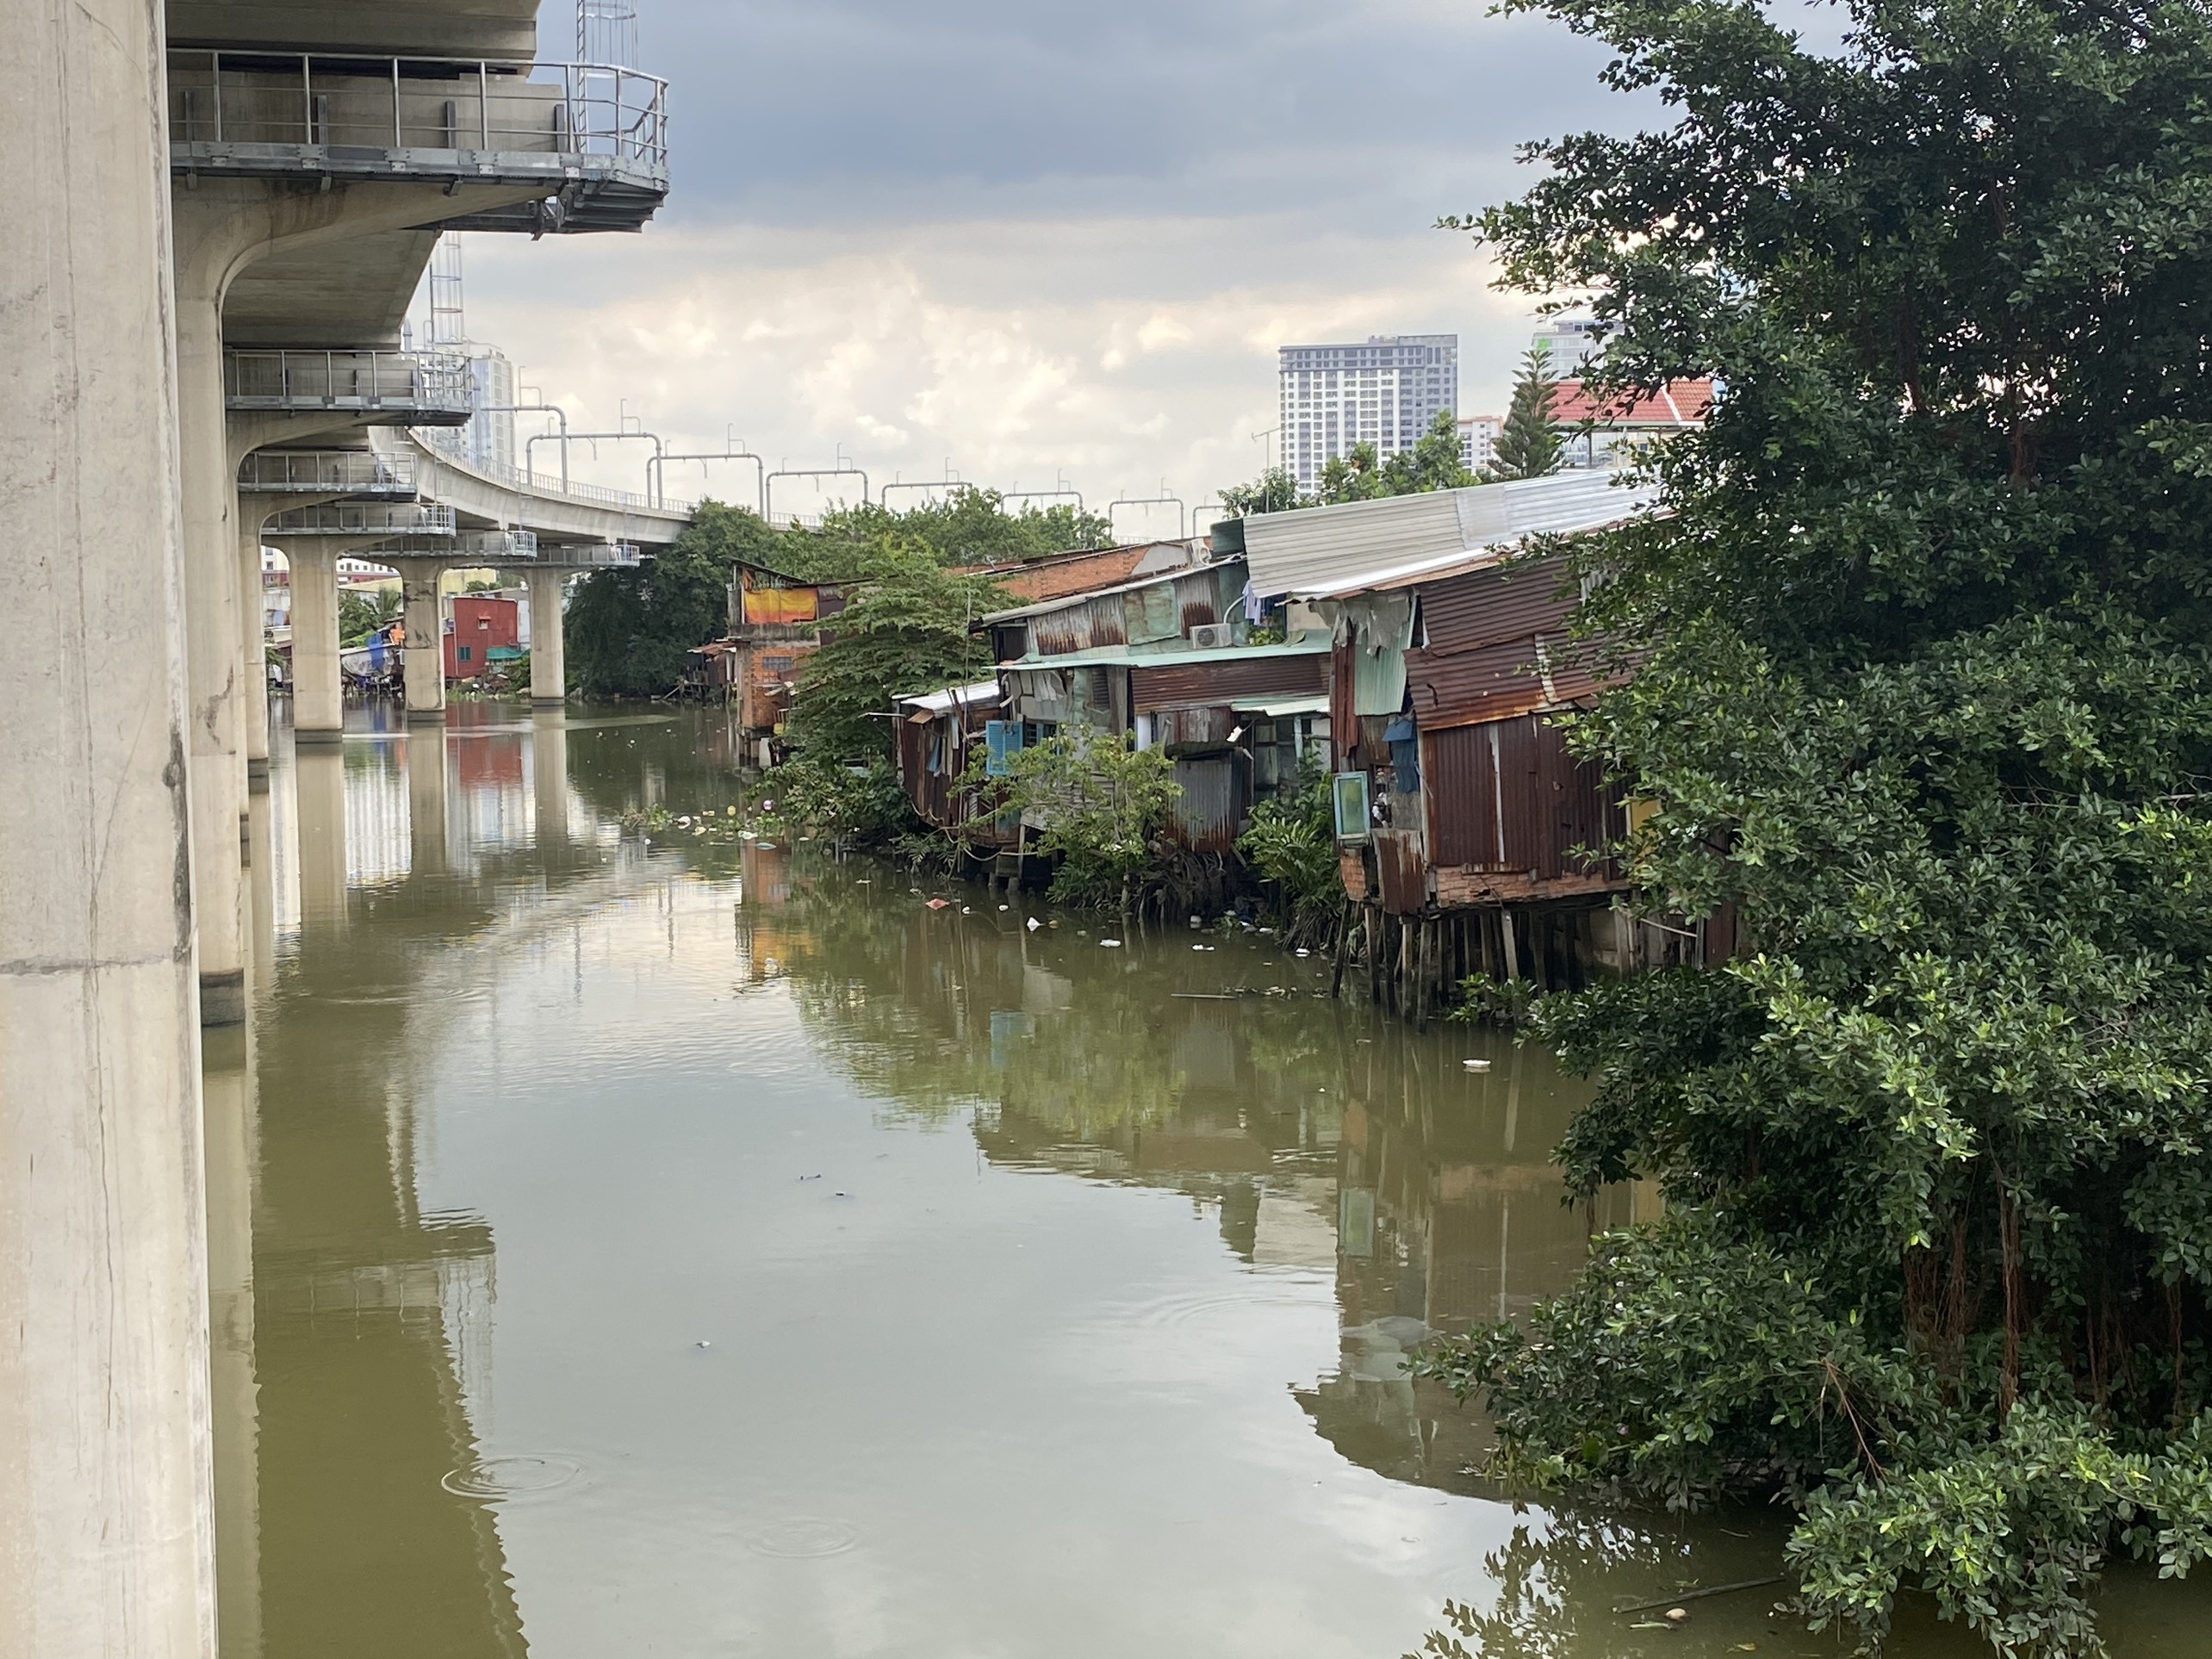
(423, 661)
(106, 1512)
(216, 670)
(253, 646)
(318, 695)
(549, 655)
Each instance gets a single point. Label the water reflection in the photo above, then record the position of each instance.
(713, 1249)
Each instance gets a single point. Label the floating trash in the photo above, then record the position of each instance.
(1109, 944)
(1476, 1065)
(1033, 924)
(498, 1479)
(940, 903)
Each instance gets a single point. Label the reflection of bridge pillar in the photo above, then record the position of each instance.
(426, 800)
(104, 1478)
(549, 656)
(548, 766)
(229, 1084)
(253, 647)
(319, 781)
(423, 661)
(318, 697)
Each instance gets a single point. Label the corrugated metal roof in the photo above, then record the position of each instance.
(1047, 607)
(1318, 646)
(944, 702)
(1330, 551)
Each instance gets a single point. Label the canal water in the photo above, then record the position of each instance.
(711, 1248)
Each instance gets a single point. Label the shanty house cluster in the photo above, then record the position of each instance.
(1413, 647)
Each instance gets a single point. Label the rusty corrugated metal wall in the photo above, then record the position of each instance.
(1506, 795)
(1194, 685)
(1459, 688)
(1343, 723)
(1400, 871)
(1212, 805)
(1488, 608)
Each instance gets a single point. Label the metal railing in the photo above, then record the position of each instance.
(592, 556)
(449, 445)
(364, 519)
(320, 472)
(292, 378)
(457, 551)
(320, 102)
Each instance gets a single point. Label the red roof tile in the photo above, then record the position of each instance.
(1679, 403)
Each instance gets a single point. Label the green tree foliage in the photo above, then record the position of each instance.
(1433, 463)
(1924, 693)
(1529, 443)
(968, 525)
(361, 613)
(1275, 490)
(1291, 842)
(909, 630)
(629, 632)
(1104, 805)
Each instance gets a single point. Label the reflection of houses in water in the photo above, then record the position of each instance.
(1327, 1140)
(1445, 1218)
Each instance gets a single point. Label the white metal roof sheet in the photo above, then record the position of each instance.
(943, 702)
(1328, 550)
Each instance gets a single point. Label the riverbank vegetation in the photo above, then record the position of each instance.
(1923, 690)
(630, 631)
(1104, 806)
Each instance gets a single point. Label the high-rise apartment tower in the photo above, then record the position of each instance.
(1385, 392)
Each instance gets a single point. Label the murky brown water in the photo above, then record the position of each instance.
(672, 1252)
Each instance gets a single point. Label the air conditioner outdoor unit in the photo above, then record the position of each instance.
(1212, 636)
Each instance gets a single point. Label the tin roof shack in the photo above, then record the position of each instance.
(1058, 576)
(1449, 659)
(775, 625)
(935, 731)
(1170, 659)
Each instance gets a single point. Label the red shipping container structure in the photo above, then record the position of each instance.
(481, 631)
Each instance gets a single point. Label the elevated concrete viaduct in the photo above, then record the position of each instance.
(223, 211)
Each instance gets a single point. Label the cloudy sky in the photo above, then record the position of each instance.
(1035, 240)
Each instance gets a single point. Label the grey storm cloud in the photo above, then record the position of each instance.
(811, 111)
(1030, 241)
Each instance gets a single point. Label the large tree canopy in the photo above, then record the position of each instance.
(1924, 691)
(910, 629)
(629, 631)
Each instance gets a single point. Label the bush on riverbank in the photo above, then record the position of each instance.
(1921, 666)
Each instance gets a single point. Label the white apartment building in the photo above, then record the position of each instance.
(1385, 391)
(1478, 439)
(1570, 343)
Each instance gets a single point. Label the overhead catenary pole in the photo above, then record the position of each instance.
(767, 484)
(656, 477)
